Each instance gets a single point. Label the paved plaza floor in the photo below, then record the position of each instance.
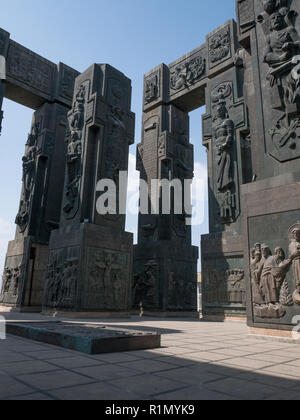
(198, 361)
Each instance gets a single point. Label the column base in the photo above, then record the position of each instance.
(275, 335)
(89, 271)
(165, 278)
(24, 275)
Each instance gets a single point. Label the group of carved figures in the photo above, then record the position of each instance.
(106, 281)
(230, 290)
(61, 284)
(188, 73)
(145, 289)
(11, 280)
(270, 288)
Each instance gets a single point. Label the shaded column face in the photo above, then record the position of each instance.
(165, 161)
(39, 209)
(165, 263)
(43, 174)
(101, 128)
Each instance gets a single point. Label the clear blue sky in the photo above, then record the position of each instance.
(131, 35)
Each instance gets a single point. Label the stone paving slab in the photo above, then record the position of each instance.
(85, 338)
(251, 370)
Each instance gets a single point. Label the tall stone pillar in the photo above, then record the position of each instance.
(269, 32)
(165, 263)
(39, 209)
(226, 138)
(90, 261)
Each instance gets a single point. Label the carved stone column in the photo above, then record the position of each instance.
(271, 202)
(90, 261)
(165, 263)
(226, 138)
(38, 214)
(40, 204)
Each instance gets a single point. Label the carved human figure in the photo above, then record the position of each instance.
(283, 42)
(236, 286)
(7, 279)
(282, 49)
(223, 133)
(77, 118)
(107, 272)
(114, 161)
(117, 288)
(29, 168)
(176, 292)
(183, 159)
(143, 288)
(257, 292)
(74, 151)
(151, 282)
(294, 249)
(139, 286)
(16, 280)
(151, 89)
(272, 272)
(179, 78)
(219, 46)
(74, 171)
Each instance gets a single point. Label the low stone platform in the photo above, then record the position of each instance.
(85, 338)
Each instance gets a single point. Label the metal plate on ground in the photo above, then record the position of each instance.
(85, 337)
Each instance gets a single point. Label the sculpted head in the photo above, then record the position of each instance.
(277, 21)
(221, 110)
(280, 254)
(296, 234)
(266, 251)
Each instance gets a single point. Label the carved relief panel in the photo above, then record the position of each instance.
(75, 146)
(13, 281)
(224, 286)
(187, 72)
(246, 16)
(278, 33)
(107, 280)
(156, 87)
(182, 287)
(152, 87)
(226, 117)
(145, 290)
(62, 279)
(26, 67)
(275, 269)
(219, 46)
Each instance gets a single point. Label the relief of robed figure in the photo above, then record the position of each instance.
(223, 134)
